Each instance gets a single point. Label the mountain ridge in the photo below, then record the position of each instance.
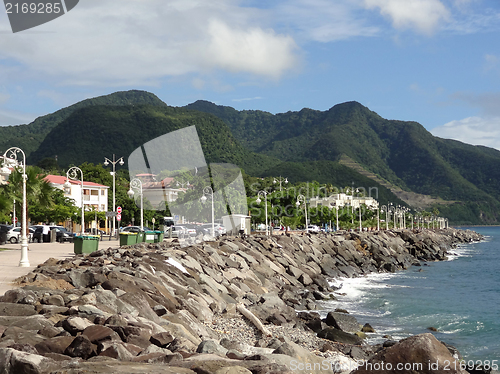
(402, 153)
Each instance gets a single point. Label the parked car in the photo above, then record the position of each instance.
(134, 229)
(42, 234)
(14, 234)
(191, 229)
(177, 231)
(313, 229)
(218, 228)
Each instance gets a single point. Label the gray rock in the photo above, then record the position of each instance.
(98, 333)
(56, 300)
(57, 344)
(75, 324)
(417, 352)
(22, 336)
(11, 309)
(343, 322)
(17, 362)
(82, 347)
(339, 336)
(19, 295)
(212, 347)
(162, 339)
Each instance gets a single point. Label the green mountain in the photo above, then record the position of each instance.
(93, 132)
(29, 137)
(404, 154)
(344, 145)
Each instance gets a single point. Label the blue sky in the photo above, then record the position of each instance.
(436, 62)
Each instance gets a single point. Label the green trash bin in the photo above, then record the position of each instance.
(159, 236)
(140, 237)
(128, 238)
(85, 244)
(150, 237)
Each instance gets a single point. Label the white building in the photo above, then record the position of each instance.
(342, 199)
(159, 193)
(95, 196)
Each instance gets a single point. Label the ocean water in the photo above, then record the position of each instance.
(460, 297)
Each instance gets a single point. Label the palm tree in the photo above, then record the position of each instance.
(38, 190)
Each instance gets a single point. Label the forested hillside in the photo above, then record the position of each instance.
(303, 146)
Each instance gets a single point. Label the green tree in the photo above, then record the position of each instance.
(39, 193)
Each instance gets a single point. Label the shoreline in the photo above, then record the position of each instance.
(193, 296)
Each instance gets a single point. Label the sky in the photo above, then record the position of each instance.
(436, 62)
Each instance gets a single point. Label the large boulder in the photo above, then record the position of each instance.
(336, 335)
(342, 321)
(422, 354)
(17, 362)
(11, 309)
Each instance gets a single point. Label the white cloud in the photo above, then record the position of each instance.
(247, 99)
(129, 42)
(324, 20)
(472, 130)
(252, 50)
(423, 15)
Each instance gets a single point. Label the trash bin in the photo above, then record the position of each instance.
(159, 236)
(85, 244)
(150, 237)
(3, 237)
(128, 238)
(140, 237)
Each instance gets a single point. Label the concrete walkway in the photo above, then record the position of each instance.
(10, 255)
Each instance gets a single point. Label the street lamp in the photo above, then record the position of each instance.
(72, 174)
(280, 179)
(107, 161)
(258, 201)
(299, 199)
(182, 184)
(337, 206)
(210, 192)
(11, 154)
(385, 209)
(137, 184)
(359, 207)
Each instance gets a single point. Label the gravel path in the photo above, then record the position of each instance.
(242, 330)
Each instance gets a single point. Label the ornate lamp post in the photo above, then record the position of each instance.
(11, 154)
(72, 174)
(208, 191)
(258, 201)
(303, 199)
(280, 179)
(137, 184)
(107, 161)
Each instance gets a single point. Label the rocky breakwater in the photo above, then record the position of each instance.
(227, 306)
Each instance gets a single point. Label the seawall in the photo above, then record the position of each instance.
(179, 309)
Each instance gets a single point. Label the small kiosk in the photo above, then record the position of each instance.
(236, 224)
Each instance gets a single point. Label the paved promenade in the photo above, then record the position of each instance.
(38, 254)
